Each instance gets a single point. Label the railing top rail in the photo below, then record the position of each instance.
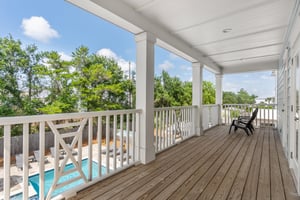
(64, 116)
(210, 105)
(175, 107)
(265, 104)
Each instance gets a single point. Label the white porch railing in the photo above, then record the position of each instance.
(266, 116)
(210, 115)
(172, 125)
(112, 144)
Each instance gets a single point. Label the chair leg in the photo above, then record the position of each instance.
(246, 130)
(232, 124)
(230, 129)
(250, 129)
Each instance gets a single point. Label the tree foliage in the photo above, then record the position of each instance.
(33, 82)
(16, 67)
(242, 97)
(209, 93)
(171, 91)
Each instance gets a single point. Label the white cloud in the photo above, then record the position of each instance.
(124, 64)
(65, 56)
(107, 53)
(166, 65)
(39, 29)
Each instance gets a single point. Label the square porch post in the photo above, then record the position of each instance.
(197, 96)
(145, 94)
(219, 96)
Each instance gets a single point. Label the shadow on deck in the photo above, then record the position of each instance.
(214, 166)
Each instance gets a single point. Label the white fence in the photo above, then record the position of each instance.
(210, 115)
(266, 116)
(110, 151)
(172, 125)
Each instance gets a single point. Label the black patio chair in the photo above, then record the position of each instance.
(244, 123)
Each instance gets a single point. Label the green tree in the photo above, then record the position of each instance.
(161, 96)
(114, 85)
(80, 60)
(12, 59)
(32, 87)
(209, 93)
(98, 82)
(243, 97)
(57, 84)
(229, 98)
(187, 93)
(168, 91)
(171, 91)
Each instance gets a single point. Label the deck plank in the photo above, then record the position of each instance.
(216, 180)
(221, 188)
(250, 188)
(264, 184)
(222, 152)
(288, 184)
(236, 190)
(277, 190)
(164, 156)
(190, 172)
(150, 190)
(215, 166)
(139, 188)
(220, 165)
(147, 171)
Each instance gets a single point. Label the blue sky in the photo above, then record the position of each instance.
(60, 26)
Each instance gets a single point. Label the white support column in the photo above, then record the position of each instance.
(197, 96)
(145, 94)
(219, 95)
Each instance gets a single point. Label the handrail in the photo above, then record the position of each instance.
(175, 107)
(40, 118)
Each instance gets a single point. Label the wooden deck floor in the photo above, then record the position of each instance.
(215, 166)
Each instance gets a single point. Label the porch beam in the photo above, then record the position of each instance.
(253, 67)
(145, 94)
(197, 96)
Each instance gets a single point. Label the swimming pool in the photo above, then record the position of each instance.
(49, 177)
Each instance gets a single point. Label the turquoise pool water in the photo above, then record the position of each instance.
(49, 177)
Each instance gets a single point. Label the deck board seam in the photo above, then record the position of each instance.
(233, 140)
(141, 168)
(228, 168)
(161, 166)
(231, 167)
(180, 162)
(161, 184)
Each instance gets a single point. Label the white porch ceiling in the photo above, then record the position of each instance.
(193, 29)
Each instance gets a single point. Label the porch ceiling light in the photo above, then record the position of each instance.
(227, 30)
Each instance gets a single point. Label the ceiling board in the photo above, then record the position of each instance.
(195, 27)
